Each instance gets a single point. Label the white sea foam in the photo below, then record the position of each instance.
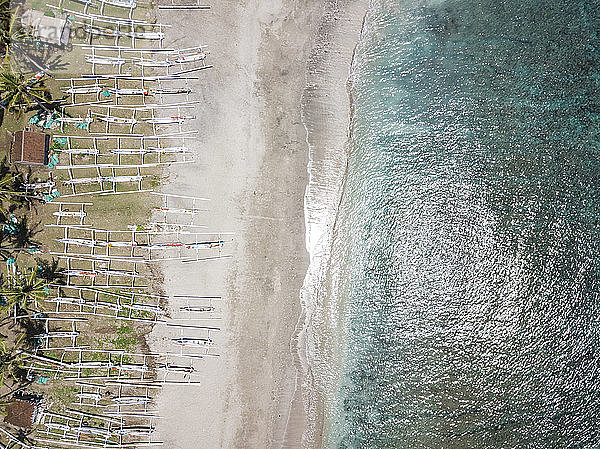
(326, 118)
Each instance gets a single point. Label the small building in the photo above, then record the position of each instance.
(52, 30)
(30, 147)
(23, 412)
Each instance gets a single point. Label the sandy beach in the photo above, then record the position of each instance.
(252, 156)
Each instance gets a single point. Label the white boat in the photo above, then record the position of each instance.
(183, 341)
(102, 60)
(153, 63)
(172, 210)
(69, 214)
(82, 273)
(113, 179)
(132, 367)
(169, 150)
(128, 151)
(132, 400)
(175, 119)
(137, 431)
(197, 309)
(151, 35)
(82, 151)
(92, 431)
(122, 178)
(81, 242)
(75, 120)
(116, 244)
(68, 300)
(198, 56)
(173, 91)
(117, 120)
(83, 90)
(121, 273)
(129, 91)
(47, 335)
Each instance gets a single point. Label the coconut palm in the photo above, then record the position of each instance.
(14, 39)
(26, 290)
(8, 24)
(9, 190)
(50, 271)
(23, 238)
(10, 359)
(19, 93)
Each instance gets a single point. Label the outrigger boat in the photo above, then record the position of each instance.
(70, 214)
(153, 63)
(117, 120)
(197, 56)
(100, 179)
(129, 151)
(47, 335)
(84, 90)
(183, 341)
(130, 244)
(174, 119)
(173, 91)
(137, 431)
(104, 60)
(82, 273)
(169, 150)
(151, 35)
(68, 300)
(132, 400)
(82, 151)
(198, 309)
(176, 368)
(173, 210)
(86, 273)
(81, 242)
(129, 91)
(93, 431)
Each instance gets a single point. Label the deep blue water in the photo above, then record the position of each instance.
(468, 238)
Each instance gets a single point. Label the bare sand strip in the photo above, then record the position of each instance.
(251, 160)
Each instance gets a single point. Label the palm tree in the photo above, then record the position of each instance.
(10, 359)
(26, 290)
(19, 93)
(14, 39)
(23, 238)
(10, 193)
(7, 24)
(50, 271)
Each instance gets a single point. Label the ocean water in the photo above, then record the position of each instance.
(465, 263)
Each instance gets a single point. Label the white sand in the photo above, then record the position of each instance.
(251, 160)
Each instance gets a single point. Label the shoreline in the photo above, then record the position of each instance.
(252, 162)
(327, 99)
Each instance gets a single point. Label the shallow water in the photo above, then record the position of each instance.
(465, 263)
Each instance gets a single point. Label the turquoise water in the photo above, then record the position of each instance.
(467, 250)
